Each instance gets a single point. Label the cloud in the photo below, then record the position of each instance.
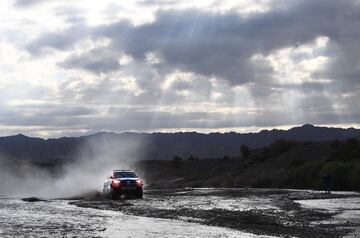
(217, 44)
(45, 115)
(31, 3)
(289, 62)
(27, 3)
(58, 40)
(99, 60)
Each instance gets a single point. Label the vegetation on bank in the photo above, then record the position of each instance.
(283, 164)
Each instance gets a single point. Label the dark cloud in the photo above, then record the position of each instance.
(58, 40)
(201, 42)
(222, 44)
(99, 60)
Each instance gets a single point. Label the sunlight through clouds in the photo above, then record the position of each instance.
(87, 66)
(296, 65)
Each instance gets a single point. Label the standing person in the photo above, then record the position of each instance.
(326, 183)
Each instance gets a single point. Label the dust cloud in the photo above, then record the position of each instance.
(94, 160)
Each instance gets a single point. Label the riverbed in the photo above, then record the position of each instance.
(187, 213)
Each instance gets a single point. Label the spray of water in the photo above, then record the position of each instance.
(94, 160)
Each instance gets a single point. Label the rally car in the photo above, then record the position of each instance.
(123, 182)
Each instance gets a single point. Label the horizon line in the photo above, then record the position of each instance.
(226, 130)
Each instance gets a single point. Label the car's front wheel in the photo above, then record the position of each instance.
(113, 193)
(140, 194)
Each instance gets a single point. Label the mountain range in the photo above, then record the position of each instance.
(161, 146)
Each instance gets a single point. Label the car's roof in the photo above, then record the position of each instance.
(122, 170)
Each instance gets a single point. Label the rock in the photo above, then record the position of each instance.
(33, 199)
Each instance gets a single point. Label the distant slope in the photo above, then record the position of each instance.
(303, 166)
(162, 145)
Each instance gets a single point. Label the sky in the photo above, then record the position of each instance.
(70, 68)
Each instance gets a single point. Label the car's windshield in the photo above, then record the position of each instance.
(123, 174)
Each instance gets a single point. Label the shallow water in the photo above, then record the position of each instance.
(132, 226)
(333, 205)
(56, 218)
(347, 209)
(213, 202)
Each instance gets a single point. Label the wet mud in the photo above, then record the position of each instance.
(258, 211)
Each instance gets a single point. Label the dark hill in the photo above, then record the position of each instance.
(301, 165)
(163, 145)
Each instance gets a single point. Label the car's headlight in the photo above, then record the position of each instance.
(116, 183)
(139, 182)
